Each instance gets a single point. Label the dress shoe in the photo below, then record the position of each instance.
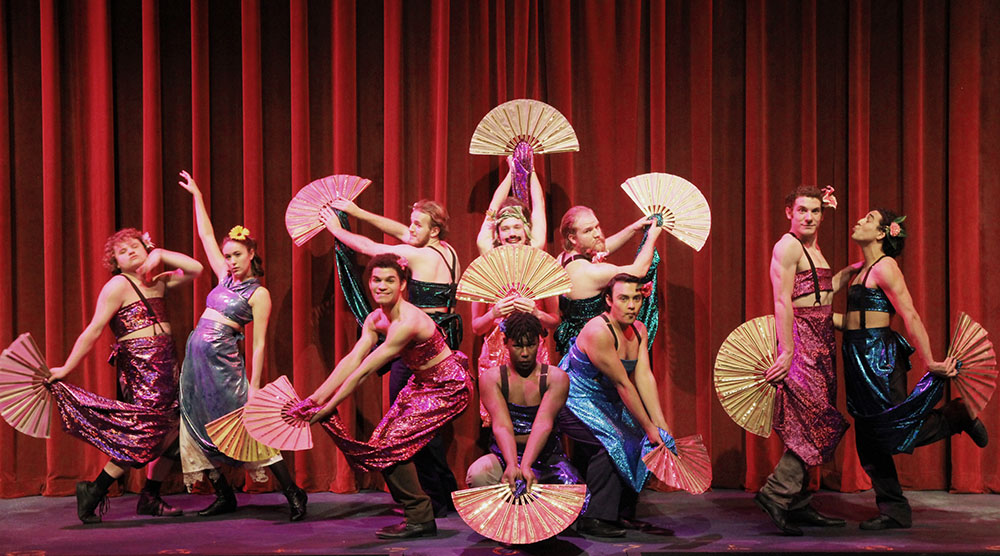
(88, 499)
(809, 516)
(594, 527)
(977, 432)
(778, 516)
(406, 530)
(152, 504)
(635, 524)
(882, 522)
(225, 499)
(296, 502)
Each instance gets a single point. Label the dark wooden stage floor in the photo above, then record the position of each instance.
(719, 521)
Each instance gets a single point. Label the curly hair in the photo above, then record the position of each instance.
(257, 263)
(891, 245)
(522, 326)
(390, 260)
(810, 191)
(121, 236)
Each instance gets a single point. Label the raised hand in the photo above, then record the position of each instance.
(345, 205)
(153, 260)
(189, 184)
(328, 216)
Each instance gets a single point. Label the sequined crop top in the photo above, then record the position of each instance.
(416, 355)
(804, 283)
(231, 300)
(136, 316)
(860, 298)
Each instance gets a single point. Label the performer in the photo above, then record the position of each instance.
(583, 257)
(138, 428)
(876, 361)
(523, 406)
(805, 414)
(434, 265)
(214, 378)
(506, 224)
(613, 410)
(437, 392)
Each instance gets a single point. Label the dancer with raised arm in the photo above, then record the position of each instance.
(214, 380)
(436, 393)
(887, 419)
(139, 428)
(805, 405)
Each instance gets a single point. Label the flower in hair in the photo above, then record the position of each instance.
(894, 229)
(239, 233)
(402, 262)
(828, 198)
(147, 242)
(598, 257)
(646, 289)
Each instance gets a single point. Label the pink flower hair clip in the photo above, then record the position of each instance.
(829, 200)
(647, 289)
(147, 242)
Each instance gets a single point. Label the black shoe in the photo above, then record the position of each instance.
(296, 502)
(635, 524)
(152, 504)
(88, 499)
(778, 516)
(406, 530)
(594, 527)
(977, 432)
(882, 522)
(809, 516)
(225, 499)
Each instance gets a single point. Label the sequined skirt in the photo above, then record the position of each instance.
(431, 398)
(805, 413)
(876, 361)
(131, 431)
(213, 382)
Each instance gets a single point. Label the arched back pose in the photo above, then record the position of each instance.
(437, 392)
(214, 378)
(887, 420)
(140, 429)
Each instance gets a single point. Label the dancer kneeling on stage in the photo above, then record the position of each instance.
(613, 410)
(141, 426)
(523, 406)
(437, 392)
(887, 420)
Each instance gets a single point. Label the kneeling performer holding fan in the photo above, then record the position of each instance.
(437, 392)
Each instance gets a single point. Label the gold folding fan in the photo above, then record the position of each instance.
(743, 359)
(266, 417)
(977, 363)
(302, 214)
(25, 400)
(513, 269)
(231, 437)
(533, 122)
(690, 469)
(683, 208)
(496, 512)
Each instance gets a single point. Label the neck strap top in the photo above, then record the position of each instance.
(566, 260)
(429, 295)
(140, 314)
(862, 299)
(522, 417)
(821, 279)
(417, 354)
(232, 300)
(543, 381)
(614, 334)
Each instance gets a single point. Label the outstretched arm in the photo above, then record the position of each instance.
(484, 241)
(358, 242)
(552, 401)
(645, 382)
(108, 302)
(185, 268)
(351, 361)
(205, 230)
(784, 258)
(503, 428)
(538, 218)
(385, 225)
(618, 240)
(845, 275)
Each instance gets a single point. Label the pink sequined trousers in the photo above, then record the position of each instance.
(805, 414)
(431, 398)
(131, 432)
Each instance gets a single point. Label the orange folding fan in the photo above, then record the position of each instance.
(231, 437)
(302, 214)
(496, 512)
(743, 358)
(690, 469)
(25, 400)
(266, 417)
(977, 363)
(681, 206)
(533, 122)
(513, 269)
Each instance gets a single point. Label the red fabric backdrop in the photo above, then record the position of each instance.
(102, 103)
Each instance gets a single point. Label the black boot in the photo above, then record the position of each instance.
(296, 502)
(225, 499)
(150, 503)
(90, 497)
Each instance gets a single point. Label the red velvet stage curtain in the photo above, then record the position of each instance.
(102, 103)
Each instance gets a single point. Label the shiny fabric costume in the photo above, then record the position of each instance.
(214, 377)
(575, 314)
(130, 430)
(596, 417)
(431, 398)
(888, 420)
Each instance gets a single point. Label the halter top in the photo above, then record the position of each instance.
(415, 355)
(232, 300)
(812, 281)
(136, 316)
(860, 298)
(523, 416)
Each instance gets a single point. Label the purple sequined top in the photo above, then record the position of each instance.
(231, 299)
(416, 355)
(135, 316)
(804, 282)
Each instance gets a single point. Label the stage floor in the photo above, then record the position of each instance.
(718, 521)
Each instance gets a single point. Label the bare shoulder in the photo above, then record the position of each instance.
(557, 376)
(260, 294)
(787, 246)
(641, 328)
(887, 269)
